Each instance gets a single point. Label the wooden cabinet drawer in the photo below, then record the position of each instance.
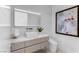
(36, 47)
(35, 41)
(15, 46)
(19, 51)
(32, 48)
(32, 42)
(43, 45)
(12, 47)
(44, 39)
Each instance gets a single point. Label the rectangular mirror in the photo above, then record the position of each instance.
(22, 18)
(33, 20)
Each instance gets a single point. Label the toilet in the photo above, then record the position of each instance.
(52, 45)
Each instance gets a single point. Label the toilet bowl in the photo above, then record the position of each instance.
(52, 45)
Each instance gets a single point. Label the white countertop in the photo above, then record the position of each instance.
(20, 39)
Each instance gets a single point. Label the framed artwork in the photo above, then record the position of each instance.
(67, 21)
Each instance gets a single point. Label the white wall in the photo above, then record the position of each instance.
(46, 23)
(4, 30)
(67, 44)
(4, 39)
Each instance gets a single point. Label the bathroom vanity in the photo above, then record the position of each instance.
(29, 44)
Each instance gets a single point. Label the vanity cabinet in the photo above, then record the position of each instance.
(32, 48)
(19, 51)
(30, 45)
(16, 46)
(43, 45)
(36, 47)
